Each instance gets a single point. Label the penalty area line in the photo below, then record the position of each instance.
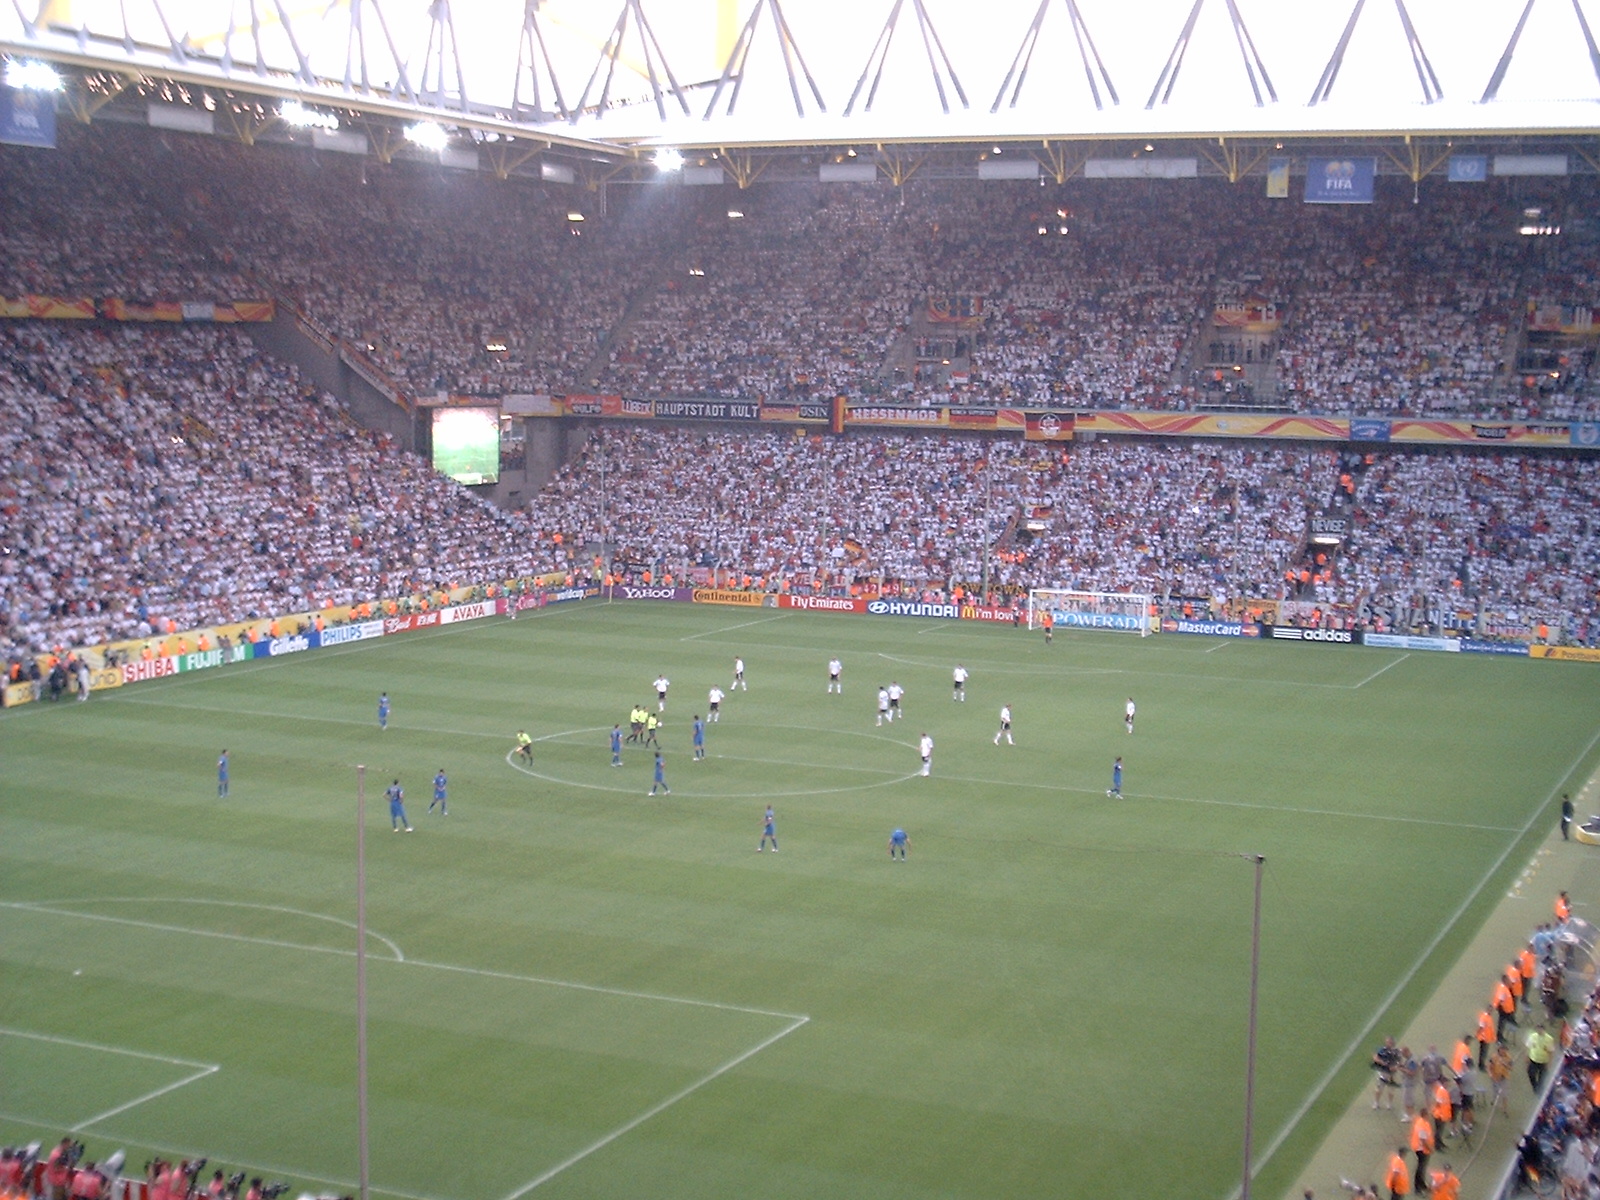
(148, 1096)
(1381, 670)
(655, 1110)
(730, 628)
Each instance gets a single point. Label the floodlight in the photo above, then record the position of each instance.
(33, 76)
(292, 112)
(668, 160)
(427, 135)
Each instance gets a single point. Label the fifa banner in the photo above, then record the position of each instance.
(799, 414)
(1340, 180)
(888, 414)
(55, 308)
(1165, 424)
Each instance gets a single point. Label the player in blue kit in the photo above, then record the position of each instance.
(397, 807)
(1116, 780)
(222, 776)
(898, 841)
(661, 777)
(616, 745)
(383, 710)
(440, 786)
(699, 737)
(769, 829)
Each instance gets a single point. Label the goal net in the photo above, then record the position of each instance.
(1121, 612)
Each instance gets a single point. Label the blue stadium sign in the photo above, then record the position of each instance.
(27, 118)
(1340, 180)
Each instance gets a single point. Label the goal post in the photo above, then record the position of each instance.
(1120, 612)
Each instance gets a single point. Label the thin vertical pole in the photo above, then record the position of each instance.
(1250, 1042)
(988, 492)
(361, 979)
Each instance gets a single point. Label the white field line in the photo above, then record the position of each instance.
(1218, 646)
(394, 949)
(1365, 1032)
(1279, 808)
(654, 1110)
(151, 1095)
(62, 1041)
(571, 985)
(1382, 669)
(793, 1021)
(1069, 669)
(159, 927)
(730, 628)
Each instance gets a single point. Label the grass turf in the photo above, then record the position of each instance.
(604, 994)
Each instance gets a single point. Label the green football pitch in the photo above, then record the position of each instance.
(576, 989)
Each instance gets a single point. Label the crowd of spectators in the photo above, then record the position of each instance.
(75, 228)
(178, 478)
(1095, 293)
(795, 298)
(66, 1172)
(1511, 535)
(1514, 535)
(158, 478)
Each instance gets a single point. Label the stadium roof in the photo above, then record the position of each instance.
(619, 77)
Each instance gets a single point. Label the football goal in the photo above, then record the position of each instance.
(1122, 612)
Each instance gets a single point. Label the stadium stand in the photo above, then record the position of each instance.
(159, 478)
(1088, 294)
(130, 452)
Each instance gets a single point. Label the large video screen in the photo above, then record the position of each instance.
(466, 444)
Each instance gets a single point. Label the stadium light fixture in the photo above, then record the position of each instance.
(427, 135)
(33, 76)
(292, 112)
(669, 160)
